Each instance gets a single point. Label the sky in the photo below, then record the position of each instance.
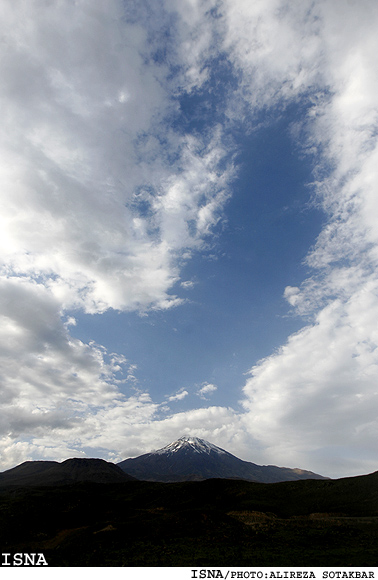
(189, 231)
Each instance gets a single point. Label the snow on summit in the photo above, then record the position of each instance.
(193, 443)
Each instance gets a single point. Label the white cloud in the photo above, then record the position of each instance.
(187, 284)
(292, 294)
(45, 372)
(319, 391)
(207, 389)
(179, 396)
(276, 47)
(93, 203)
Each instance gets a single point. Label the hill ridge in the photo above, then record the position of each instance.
(72, 470)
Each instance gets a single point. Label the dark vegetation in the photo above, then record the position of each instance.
(212, 523)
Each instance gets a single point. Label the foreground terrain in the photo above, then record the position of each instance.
(209, 523)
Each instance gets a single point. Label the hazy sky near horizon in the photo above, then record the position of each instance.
(189, 229)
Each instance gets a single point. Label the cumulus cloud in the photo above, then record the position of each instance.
(318, 391)
(48, 378)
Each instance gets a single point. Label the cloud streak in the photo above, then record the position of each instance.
(206, 390)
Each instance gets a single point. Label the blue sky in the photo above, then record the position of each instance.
(234, 310)
(188, 230)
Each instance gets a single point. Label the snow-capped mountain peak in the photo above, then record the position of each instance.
(190, 443)
(194, 459)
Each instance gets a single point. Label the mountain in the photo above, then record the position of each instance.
(35, 473)
(194, 459)
(187, 459)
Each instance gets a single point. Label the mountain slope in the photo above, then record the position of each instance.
(194, 459)
(65, 473)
